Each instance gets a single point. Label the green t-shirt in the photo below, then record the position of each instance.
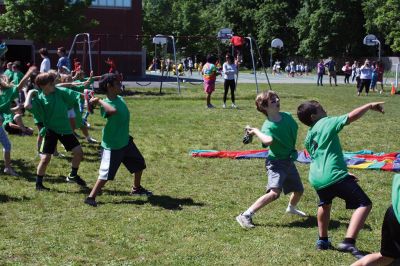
(7, 96)
(116, 130)
(9, 74)
(323, 144)
(37, 110)
(17, 77)
(396, 196)
(54, 107)
(284, 135)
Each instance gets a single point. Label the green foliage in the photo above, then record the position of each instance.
(191, 218)
(383, 20)
(309, 28)
(329, 28)
(44, 21)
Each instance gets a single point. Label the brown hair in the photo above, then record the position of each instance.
(305, 110)
(62, 49)
(262, 100)
(44, 52)
(44, 78)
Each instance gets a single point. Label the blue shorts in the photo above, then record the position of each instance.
(346, 189)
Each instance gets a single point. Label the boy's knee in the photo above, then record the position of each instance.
(275, 193)
(45, 159)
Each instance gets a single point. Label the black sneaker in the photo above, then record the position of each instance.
(351, 248)
(40, 187)
(91, 201)
(76, 179)
(141, 191)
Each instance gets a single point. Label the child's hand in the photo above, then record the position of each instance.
(378, 106)
(94, 100)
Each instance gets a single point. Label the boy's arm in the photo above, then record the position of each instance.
(108, 109)
(360, 111)
(25, 78)
(28, 100)
(265, 139)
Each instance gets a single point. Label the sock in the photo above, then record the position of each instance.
(39, 180)
(291, 206)
(74, 171)
(249, 212)
(349, 240)
(325, 238)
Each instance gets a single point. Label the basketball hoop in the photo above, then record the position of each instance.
(225, 35)
(370, 40)
(159, 39)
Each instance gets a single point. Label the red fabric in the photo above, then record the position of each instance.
(225, 154)
(237, 41)
(387, 167)
(387, 156)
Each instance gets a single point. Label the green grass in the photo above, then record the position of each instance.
(191, 218)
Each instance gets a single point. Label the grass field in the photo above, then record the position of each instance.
(190, 220)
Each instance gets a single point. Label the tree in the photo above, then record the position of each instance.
(382, 18)
(327, 27)
(44, 21)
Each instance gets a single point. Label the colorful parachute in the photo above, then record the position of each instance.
(364, 159)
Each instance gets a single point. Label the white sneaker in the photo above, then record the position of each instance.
(224, 106)
(91, 140)
(293, 210)
(245, 221)
(233, 106)
(10, 171)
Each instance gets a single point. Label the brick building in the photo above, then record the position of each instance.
(120, 22)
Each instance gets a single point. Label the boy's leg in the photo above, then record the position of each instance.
(323, 218)
(357, 221)
(245, 218)
(294, 199)
(41, 171)
(91, 199)
(77, 156)
(373, 259)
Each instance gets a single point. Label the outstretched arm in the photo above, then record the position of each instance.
(25, 78)
(360, 111)
(265, 139)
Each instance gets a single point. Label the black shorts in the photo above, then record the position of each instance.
(129, 155)
(49, 142)
(346, 189)
(12, 131)
(390, 242)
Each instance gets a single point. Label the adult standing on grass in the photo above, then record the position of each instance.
(209, 72)
(331, 65)
(51, 105)
(320, 72)
(45, 66)
(380, 69)
(365, 78)
(347, 72)
(390, 237)
(328, 171)
(118, 146)
(229, 70)
(279, 132)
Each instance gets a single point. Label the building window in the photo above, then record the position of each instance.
(112, 3)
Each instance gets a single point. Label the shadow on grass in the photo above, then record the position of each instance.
(311, 222)
(6, 198)
(163, 201)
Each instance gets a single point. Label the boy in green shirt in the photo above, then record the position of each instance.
(51, 106)
(328, 171)
(390, 241)
(118, 146)
(279, 132)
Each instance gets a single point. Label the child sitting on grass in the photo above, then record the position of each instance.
(118, 146)
(279, 132)
(390, 242)
(328, 171)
